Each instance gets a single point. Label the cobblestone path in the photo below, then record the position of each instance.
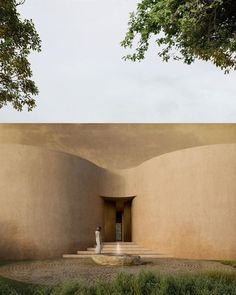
(52, 272)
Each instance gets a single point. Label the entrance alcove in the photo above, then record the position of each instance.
(117, 219)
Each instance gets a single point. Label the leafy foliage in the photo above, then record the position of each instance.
(17, 39)
(229, 262)
(185, 30)
(143, 283)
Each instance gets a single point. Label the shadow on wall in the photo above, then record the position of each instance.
(49, 203)
(187, 203)
(117, 183)
(132, 144)
(13, 246)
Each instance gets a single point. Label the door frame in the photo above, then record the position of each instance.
(109, 226)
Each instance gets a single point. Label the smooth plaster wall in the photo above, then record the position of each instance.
(117, 146)
(117, 183)
(186, 203)
(49, 203)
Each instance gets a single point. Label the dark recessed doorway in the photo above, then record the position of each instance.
(117, 219)
(119, 225)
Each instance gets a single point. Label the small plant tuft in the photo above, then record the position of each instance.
(145, 283)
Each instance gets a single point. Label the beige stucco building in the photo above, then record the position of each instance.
(168, 187)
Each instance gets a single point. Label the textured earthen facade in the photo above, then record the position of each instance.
(182, 193)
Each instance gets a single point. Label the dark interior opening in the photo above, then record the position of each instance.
(118, 226)
(117, 223)
(118, 217)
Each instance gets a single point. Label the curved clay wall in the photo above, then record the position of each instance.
(117, 183)
(186, 203)
(49, 203)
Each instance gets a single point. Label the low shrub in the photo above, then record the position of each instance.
(229, 262)
(145, 283)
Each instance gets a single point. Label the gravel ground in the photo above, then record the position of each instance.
(51, 272)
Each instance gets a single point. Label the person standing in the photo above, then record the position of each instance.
(98, 248)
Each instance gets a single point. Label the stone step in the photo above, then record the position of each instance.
(120, 249)
(124, 252)
(125, 248)
(85, 252)
(120, 243)
(76, 256)
(120, 246)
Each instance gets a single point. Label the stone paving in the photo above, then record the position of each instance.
(51, 272)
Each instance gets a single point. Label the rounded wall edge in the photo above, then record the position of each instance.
(186, 204)
(117, 183)
(47, 199)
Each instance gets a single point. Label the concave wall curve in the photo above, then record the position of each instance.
(47, 202)
(185, 202)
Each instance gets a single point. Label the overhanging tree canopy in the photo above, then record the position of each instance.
(17, 39)
(185, 30)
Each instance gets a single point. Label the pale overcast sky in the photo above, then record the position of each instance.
(82, 77)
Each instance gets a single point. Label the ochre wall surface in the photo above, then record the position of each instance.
(49, 203)
(117, 183)
(186, 203)
(117, 146)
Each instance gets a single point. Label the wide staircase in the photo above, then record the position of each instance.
(119, 248)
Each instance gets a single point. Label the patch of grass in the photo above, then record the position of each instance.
(229, 262)
(11, 287)
(5, 262)
(145, 283)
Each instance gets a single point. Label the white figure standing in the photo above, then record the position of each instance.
(98, 248)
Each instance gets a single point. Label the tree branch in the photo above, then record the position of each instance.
(20, 2)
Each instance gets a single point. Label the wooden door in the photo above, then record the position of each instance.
(109, 221)
(126, 222)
